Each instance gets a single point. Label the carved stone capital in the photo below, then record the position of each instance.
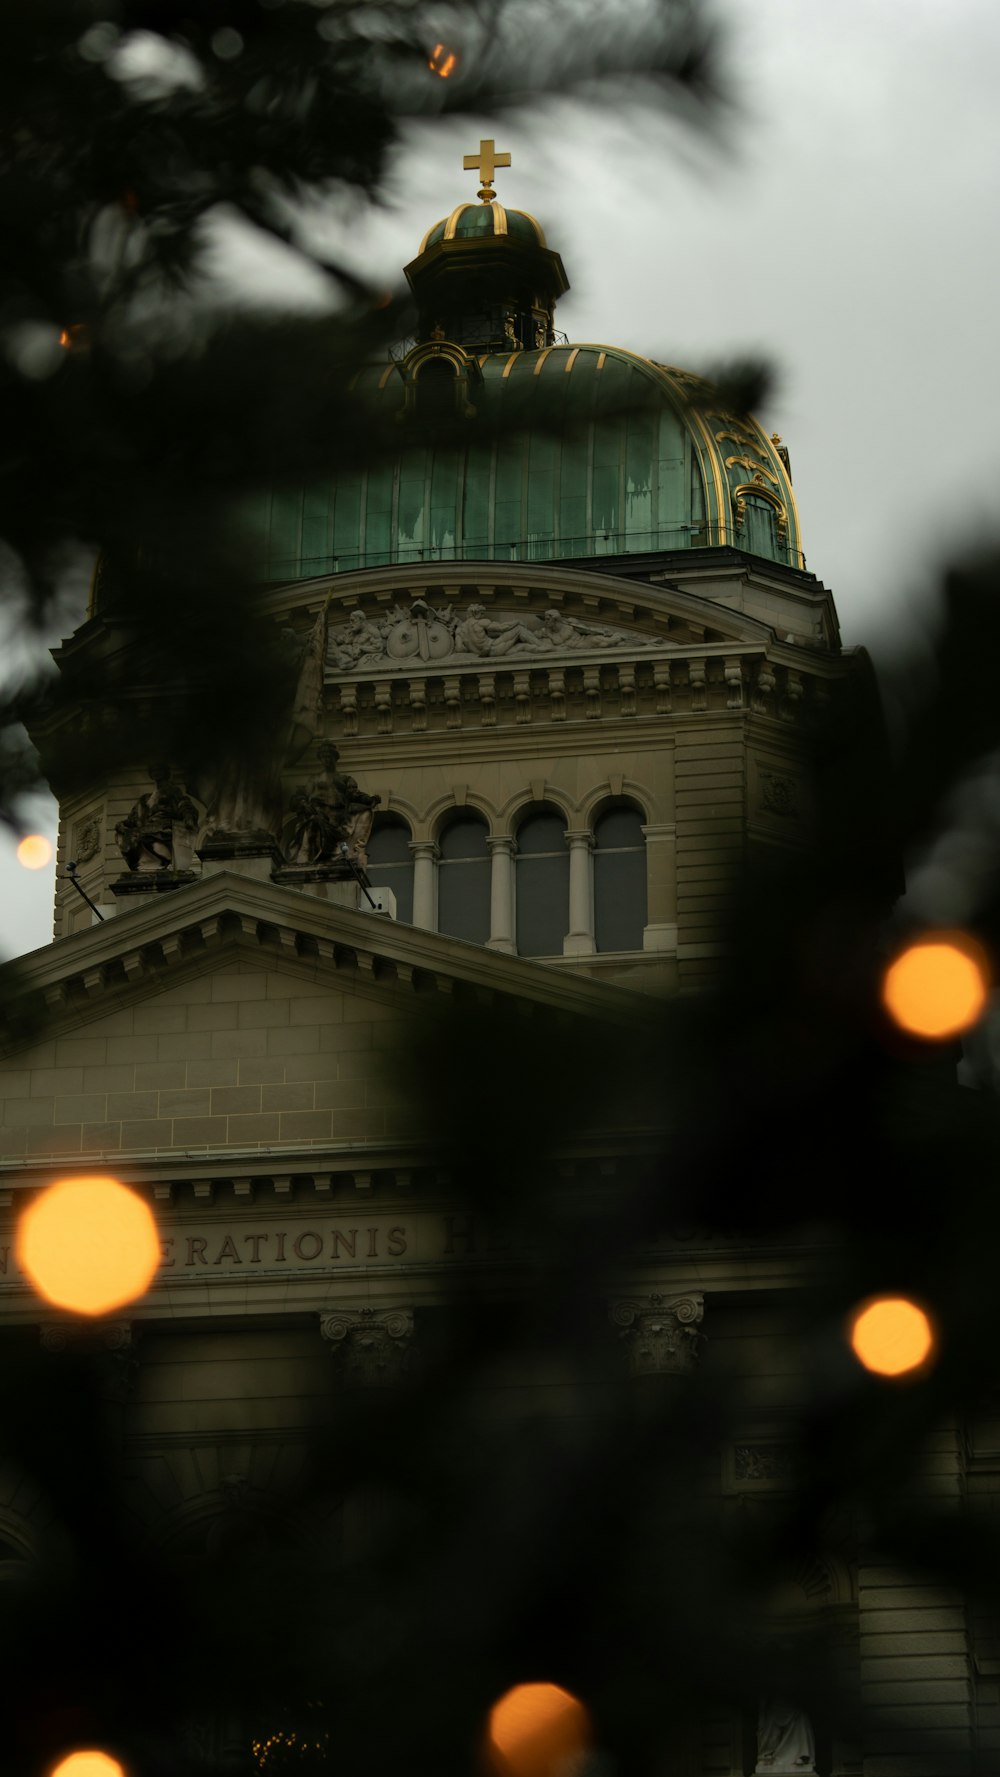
(113, 1343)
(371, 1344)
(660, 1334)
(104, 1335)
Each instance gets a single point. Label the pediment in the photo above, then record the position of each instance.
(447, 617)
(227, 917)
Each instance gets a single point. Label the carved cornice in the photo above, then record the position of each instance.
(372, 1345)
(625, 684)
(103, 966)
(660, 1334)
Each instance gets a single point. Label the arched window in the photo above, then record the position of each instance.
(542, 882)
(619, 878)
(464, 878)
(436, 389)
(390, 862)
(758, 533)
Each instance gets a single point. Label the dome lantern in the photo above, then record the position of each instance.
(484, 277)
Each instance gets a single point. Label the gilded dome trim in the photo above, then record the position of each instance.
(451, 226)
(447, 228)
(536, 225)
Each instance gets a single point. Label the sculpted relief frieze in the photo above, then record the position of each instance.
(432, 633)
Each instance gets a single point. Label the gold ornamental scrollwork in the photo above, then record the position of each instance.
(757, 490)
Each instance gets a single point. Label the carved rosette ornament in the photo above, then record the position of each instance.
(372, 1344)
(660, 1334)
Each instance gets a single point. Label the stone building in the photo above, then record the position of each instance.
(566, 650)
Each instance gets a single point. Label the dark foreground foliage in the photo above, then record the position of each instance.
(778, 1112)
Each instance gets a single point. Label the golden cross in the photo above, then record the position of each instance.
(485, 163)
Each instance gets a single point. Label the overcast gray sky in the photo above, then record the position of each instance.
(845, 227)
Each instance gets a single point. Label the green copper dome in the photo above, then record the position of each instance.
(473, 221)
(611, 454)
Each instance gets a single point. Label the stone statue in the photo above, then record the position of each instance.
(785, 1739)
(560, 631)
(158, 831)
(359, 642)
(478, 634)
(333, 812)
(242, 790)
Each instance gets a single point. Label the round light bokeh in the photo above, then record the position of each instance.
(891, 1336)
(90, 1763)
(537, 1730)
(937, 987)
(34, 851)
(88, 1244)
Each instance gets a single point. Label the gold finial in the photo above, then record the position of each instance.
(485, 163)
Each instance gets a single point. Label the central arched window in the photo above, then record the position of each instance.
(542, 882)
(619, 878)
(390, 864)
(436, 388)
(464, 878)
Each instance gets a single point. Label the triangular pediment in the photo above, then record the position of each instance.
(240, 1023)
(198, 928)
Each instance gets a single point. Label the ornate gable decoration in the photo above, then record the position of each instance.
(434, 633)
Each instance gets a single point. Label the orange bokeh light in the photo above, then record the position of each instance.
(34, 851)
(891, 1336)
(88, 1244)
(442, 60)
(88, 1764)
(537, 1730)
(937, 987)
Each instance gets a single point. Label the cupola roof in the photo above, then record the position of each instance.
(474, 221)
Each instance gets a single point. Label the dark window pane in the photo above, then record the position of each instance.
(436, 390)
(390, 864)
(542, 884)
(619, 880)
(541, 833)
(464, 880)
(542, 905)
(618, 827)
(464, 838)
(390, 841)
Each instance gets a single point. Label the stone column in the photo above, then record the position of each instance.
(580, 939)
(425, 857)
(916, 1666)
(110, 1347)
(372, 1345)
(661, 887)
(502, 894)
(659, 1334)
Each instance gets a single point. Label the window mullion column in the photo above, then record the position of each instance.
(579, 941)
(501, 936)
(425, 857)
